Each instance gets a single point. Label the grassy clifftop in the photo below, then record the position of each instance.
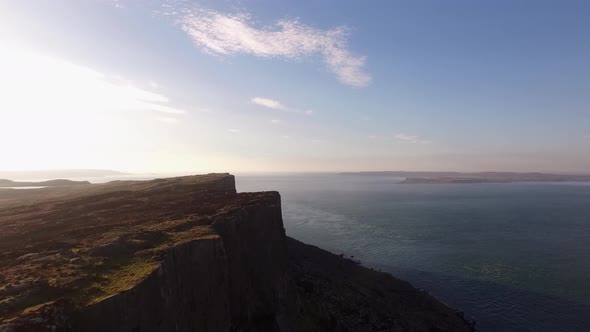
(91, 242)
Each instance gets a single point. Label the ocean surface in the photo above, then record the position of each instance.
(514, 257)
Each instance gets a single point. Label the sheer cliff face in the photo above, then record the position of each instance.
(231, 281)
(189, 291)
(256, 248)
(188, 254)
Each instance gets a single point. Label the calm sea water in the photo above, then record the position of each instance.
(515, 257)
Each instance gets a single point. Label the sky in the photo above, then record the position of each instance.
(295, 86)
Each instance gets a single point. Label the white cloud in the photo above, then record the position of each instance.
(234, 130)
(411, 138)
(274, 121)
(407, 138)
(226, 34)
(267, 102)
(277, 105)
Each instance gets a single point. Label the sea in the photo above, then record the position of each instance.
(512, 256)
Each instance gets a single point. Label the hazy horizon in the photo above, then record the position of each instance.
(50, 174)
(296, 86)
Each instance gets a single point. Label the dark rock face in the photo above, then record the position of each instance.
(219, 261)
(254, 241)
(188, 292)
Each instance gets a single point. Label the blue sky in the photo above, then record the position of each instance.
(245, 86)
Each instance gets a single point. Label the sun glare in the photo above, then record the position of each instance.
(53, 112)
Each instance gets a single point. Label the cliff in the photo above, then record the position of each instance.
(187, 254)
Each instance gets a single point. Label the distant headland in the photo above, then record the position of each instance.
(59, 174)
(480, 177)
(51, 183)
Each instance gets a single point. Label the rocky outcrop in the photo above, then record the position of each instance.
(190, 254)
(337, 294)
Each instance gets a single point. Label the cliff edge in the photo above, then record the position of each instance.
(187, 254)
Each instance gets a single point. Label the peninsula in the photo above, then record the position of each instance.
(187, 254)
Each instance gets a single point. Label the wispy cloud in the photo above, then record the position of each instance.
(125, 95)
(267, 102)
(411, 138)
(68, 88)
(166, 119)
(275, 121)
(234, 131)
(226, 34)
(277, 105)
(165, 109)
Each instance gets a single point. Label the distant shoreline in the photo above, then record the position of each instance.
(482, 177)
(4, 183)
(44, 175)
(472, 180)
